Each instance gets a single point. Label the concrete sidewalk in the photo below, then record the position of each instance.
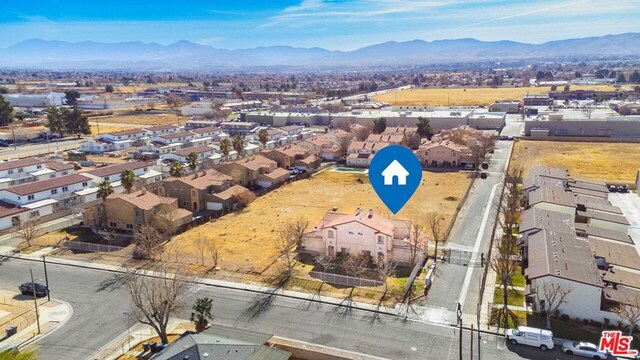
(397, 310)
(52, 314)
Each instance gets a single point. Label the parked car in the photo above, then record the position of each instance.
(525, 335)
(612, 188)
(623, 189)
(485, 165)
(584, 349)
(483, 175)
(27, 289)
(469, 167)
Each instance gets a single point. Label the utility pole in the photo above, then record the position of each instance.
(46, 277)
(13, 132)
(459, 313)
(35, 300)
(471, 339)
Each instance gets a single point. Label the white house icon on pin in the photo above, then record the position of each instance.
(395, 169)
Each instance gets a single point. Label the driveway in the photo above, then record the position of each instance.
(629, 203)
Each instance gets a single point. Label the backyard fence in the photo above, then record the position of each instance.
(88, 247)
(344, 280)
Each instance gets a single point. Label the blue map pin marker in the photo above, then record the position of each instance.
(395, 173)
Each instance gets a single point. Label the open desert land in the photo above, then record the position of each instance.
(136, 88)
(248, 239)
(468, 96)
(615, 162)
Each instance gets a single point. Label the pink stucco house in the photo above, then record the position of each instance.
(360, 232)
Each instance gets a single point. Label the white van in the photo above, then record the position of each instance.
(531, 336)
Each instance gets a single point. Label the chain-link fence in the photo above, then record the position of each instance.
(88, 247)
(344, 280)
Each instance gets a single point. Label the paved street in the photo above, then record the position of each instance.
(100, 306)
(36, 149)
(471, 233)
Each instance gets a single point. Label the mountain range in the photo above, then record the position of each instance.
(185, 55)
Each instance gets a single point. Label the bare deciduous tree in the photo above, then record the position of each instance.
(166, 220)
(505, 266)
(414, 140)
(28, 229)
(287, 245)
(201, 245)
(94, 216)
(325, 261)
(344, 141)
(385, 269)
(630, 313)
(437, 232)
(298, 227)
(214, 252)
(355, 265)
(416, 243)
(361, 133)
(550, 297)
(158, 295)
(148, 241)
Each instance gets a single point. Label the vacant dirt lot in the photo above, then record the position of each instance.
(466, 97)
(136, 119)
(604, 161)
(248, 239)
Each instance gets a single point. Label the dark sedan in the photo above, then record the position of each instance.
(27, 289)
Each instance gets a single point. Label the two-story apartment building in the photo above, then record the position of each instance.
(13, 172)
(125, 212)
(289, 156)
(362, 152)
(61, 191)
(144, 174)
(193, 191)
(181, 137)
(255, 171)
(362, 232)
(444, 154)
(181, 155)
(158, 130)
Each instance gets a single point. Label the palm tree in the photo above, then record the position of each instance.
(202, 313)
(225, 147)
(263, 137)
(177, 169)
(192, 161)
(238, 144)
(127, 178)
(104, 189)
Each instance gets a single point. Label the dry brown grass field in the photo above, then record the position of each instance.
(615, 162)
(467, 97)
(136, 88)
(137, 119)
(248, 239)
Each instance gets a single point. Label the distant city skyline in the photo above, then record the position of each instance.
(330, 24)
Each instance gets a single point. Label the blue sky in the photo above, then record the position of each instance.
(332, 24)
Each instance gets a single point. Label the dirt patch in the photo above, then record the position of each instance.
(248, 239)
(604, 161)
(468, 96)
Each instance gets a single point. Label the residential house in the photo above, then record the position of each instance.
(444, 154)
(125, 212)
(192, 190)
(144, 174)
(240, 128)
(12, 215)
(292, 155)
(360, 153)
(15, 172)
(220, 342)
(181, 137)
(322, 147)
(565, 261)
(158, 130)
(391, 138)
(256, 171)
(553, 198)
(181, 155)
(362, 232)
(209, 131)
(225, 200)
(48, 195)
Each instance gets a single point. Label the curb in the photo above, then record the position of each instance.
(229, 285)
